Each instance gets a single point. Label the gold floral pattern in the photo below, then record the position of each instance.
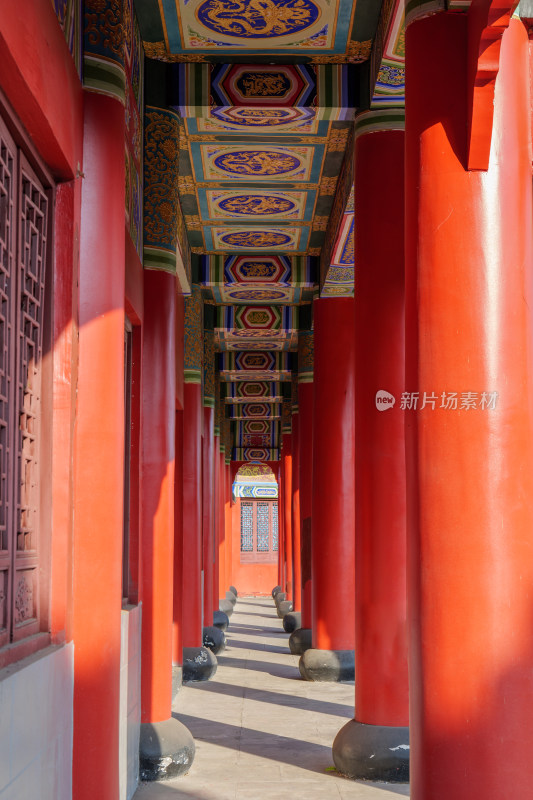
(159, 52)
(192, 337)
(160, 174)
(327, 185)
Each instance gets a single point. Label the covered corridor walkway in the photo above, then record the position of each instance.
(266, 322)
(260, 731)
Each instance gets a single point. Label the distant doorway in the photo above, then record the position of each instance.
(255, 528)
(259, 531)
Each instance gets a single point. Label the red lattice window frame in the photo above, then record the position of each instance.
(257, 525)
(25, 224)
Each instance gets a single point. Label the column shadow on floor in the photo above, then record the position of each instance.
(274, 747)
(253, 614)
(264, 696)
(246, 630)
(267, 648)
(276, 670)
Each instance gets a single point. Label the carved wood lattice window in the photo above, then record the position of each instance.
(24, 209)
(259, 531)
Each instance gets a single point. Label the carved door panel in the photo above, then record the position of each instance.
(259, 531)
(24, 209)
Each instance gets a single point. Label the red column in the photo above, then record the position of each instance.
(216, 524)
(375, 744)
(286, 457)
(296, 555)
(99, 455)
(281, 524)
(208, 452)
(222, 540)
(381, 696)
(470, 488)
(305, 405)
(305, 468)
(333, 476)
(192, 515)
(157, 538)
(227, 528)
(177, 626)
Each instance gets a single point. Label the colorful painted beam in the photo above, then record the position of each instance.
(254, 454)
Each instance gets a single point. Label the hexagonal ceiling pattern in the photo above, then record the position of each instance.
(266, 92)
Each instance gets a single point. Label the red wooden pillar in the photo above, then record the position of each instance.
(192, 515)
(470, 464)
(208, 454)
(208, 471)
(99, 455)
(305, 406)
(157, 538)
(281, 522)
(296, 555)
(192, 473)
(331, 657)
(375, 744)
(216, 517)
(286, 457)
(199, 663)
(177, 625)
(222, 540)
(175, 751)
(228, 527)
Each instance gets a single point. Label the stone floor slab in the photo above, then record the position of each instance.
(261, 732)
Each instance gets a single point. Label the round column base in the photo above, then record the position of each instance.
(234, 590)
(300, 641)
(231, 598)
(220, 620)
(166, 750)
(292, 621)
(327, 665)
(199, 664)
(284, 607)
(214, 639)
(226, 607)
(279, 598)
(275, 590)
(372, 752)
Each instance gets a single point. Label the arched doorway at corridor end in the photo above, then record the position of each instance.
(255, 529)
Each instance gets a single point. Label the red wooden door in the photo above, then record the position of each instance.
(259, 531)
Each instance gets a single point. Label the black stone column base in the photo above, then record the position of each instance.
(166, 750)
(284, 607)
(234, 590)
(279, 597)
(327, 665)
(372, 752)
(199, 664)
(220, 620)
(292, 621)
(275, 590)
(214, 639)
(177, 679)
(231, 597)
(226, 607)
(300, 641)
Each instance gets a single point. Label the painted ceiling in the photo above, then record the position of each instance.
(266, 92)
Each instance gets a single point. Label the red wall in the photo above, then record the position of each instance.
(248, 579)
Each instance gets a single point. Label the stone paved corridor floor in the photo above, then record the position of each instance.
(261, 732)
